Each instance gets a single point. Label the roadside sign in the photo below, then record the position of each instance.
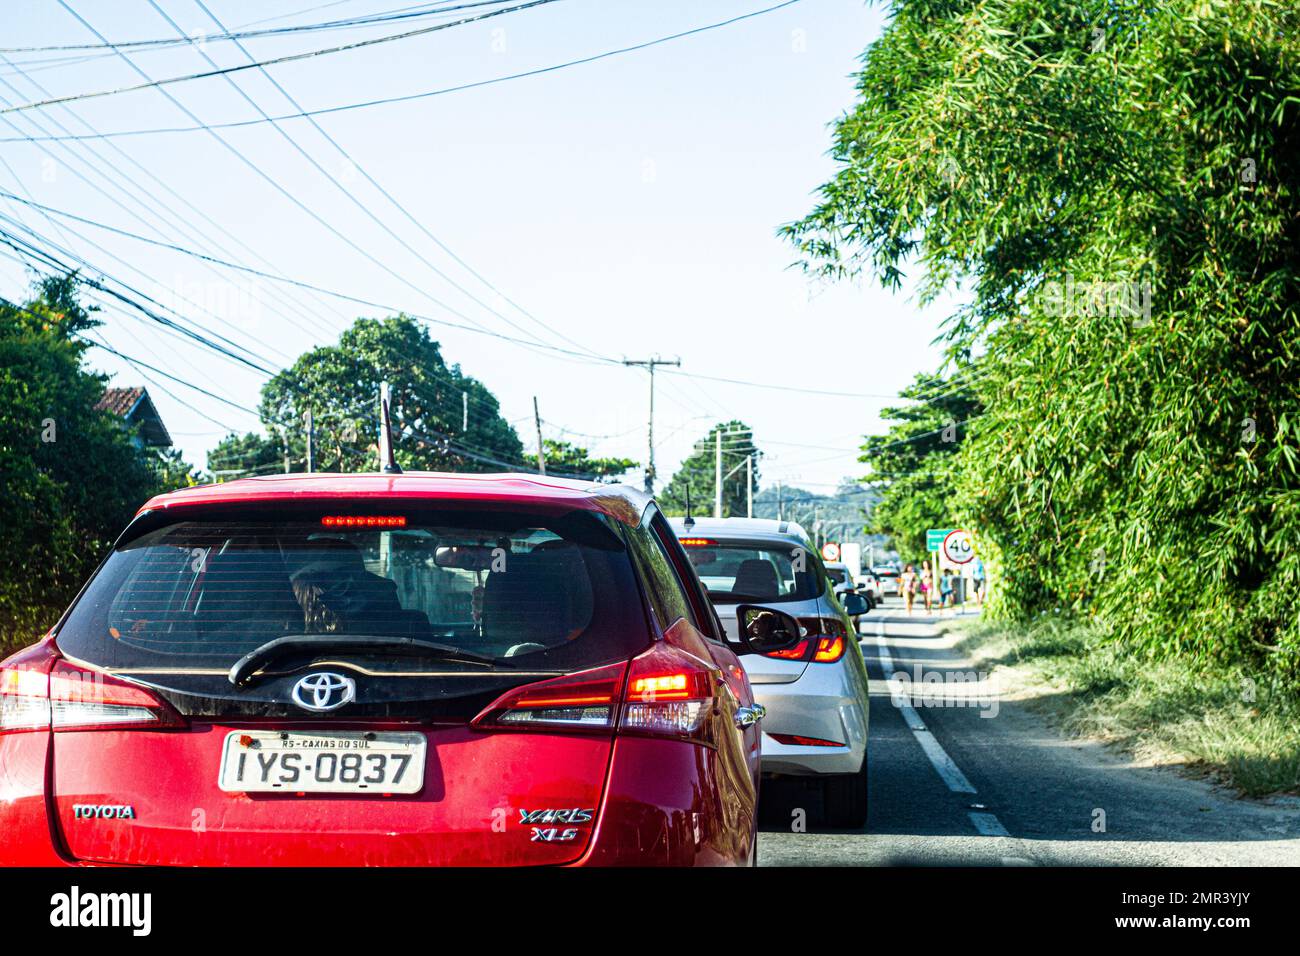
(957, 547)
(830, 551)
(934, 538)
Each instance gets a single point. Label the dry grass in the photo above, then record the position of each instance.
(1228, 724)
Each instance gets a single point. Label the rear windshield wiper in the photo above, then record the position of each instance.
(244, 669)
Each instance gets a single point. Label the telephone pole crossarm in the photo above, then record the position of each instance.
(650, 365)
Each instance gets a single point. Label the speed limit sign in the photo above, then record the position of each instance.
(957, 547)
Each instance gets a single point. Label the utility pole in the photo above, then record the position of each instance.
(311, 436)
(749, 485)
(464, 411)
(541, 452)
(650, 365)
(717, 473)
(780, 502)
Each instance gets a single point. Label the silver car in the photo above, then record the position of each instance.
(816, 692)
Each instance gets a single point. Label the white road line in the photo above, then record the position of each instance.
(948, 771)
(988, 825)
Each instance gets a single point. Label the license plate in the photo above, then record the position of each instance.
(264, 761)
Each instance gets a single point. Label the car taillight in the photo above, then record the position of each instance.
(669, 691)
(665, 691)
(41, 691)
(830, 635)
(25, 688)
(797, 653)
(88, 700)
(798, 740)
(829, 650)
(587, 700)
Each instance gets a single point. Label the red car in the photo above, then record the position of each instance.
(375, 669)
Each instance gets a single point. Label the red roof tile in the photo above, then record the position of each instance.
(120, 401)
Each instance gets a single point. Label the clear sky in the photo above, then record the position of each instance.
(630, 204)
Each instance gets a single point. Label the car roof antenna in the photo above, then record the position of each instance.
(689, 523)
(387, 463)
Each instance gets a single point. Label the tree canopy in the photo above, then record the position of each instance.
(1116, 184)
(566, 458)
(914, 463)
(71, 475)
(443, 419)
(698, 473)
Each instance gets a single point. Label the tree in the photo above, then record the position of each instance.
(241, 456)
(567, 459)
(70, 475)
(1117, 183)
(915, 463)
(172, 470)
(698, 472)
(430, 404)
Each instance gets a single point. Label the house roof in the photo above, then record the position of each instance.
(120, 401)
(134, 406)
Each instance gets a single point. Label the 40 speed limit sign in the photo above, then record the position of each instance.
(957, 547)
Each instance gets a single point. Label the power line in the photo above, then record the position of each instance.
(29, 251)
(424, 10)
(370, 303)
(223, 71)
(461, 87)
(180, 223)
(271, 181)
(373, 182)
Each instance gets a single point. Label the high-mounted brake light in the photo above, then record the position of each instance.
(696, 542)
(364, 521)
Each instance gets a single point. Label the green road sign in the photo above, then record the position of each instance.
(934, 538)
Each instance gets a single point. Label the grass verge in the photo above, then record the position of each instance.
(1228, 724)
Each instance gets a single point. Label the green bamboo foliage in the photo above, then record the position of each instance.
(1116, 185)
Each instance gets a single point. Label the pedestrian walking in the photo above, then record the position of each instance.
(927, 586)
(907, 584)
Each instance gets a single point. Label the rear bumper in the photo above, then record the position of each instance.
(825, 703)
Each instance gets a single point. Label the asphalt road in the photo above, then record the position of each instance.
(949, 787)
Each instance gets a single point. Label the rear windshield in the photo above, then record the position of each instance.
(553, 591)
(837, 575)
(744, 571)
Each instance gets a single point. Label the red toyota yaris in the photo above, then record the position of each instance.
(386, 670)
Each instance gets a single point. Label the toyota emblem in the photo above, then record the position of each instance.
(324, 690)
